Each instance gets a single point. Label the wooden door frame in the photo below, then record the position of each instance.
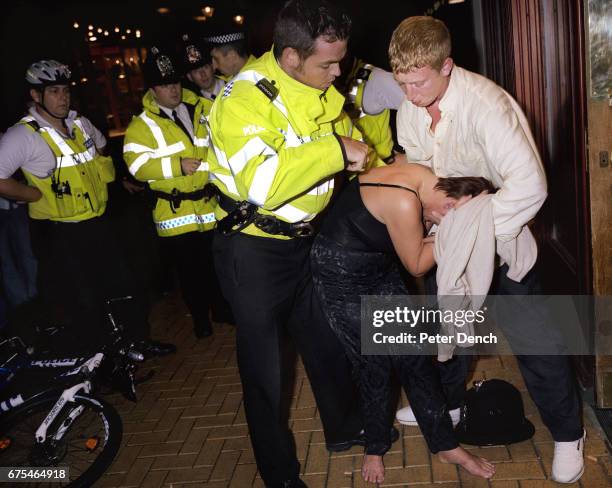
(516, 34)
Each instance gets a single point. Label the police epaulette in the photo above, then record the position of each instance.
(267, 88)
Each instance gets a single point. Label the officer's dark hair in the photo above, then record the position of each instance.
(301, 22)
(461, 186)
(240, 46)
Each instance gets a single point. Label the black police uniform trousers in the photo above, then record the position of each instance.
(192, 254)
(80, 266)
(268, 284)
(550, 379)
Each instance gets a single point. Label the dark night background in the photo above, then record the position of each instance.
(31, 30)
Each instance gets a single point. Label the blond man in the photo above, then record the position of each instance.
(462, 124)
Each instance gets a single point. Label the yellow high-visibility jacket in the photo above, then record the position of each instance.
(153, 148)
(277, 150)
(79, 167)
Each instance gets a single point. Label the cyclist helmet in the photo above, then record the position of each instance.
(47, 72)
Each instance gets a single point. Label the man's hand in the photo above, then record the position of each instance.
(189, 165)
(356, 154)
(131, 187)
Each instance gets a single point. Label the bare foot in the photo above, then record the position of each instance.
(373, 469)
(473, 464)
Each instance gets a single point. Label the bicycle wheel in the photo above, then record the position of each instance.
(87, 448)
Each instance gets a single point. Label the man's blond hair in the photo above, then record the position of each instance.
(419, 42)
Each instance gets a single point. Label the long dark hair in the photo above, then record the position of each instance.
(461, 186)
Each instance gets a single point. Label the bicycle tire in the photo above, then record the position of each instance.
(92, 464)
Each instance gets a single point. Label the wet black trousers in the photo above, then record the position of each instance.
(81, 265)
(341, 276)
(269, 287)
(550, 379)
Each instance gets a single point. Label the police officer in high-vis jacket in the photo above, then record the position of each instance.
(81, 264)
(375, 128)
(280, 136)
(228, 47)
(199, 69)
(167, 146)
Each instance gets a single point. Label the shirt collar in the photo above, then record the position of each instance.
(72, 115)
(447, 103)
(168, 111)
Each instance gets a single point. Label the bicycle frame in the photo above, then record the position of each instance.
(66, 397)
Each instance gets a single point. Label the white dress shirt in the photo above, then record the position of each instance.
(183, 114)
(482, 132)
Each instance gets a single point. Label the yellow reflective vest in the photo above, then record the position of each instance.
(375, 128)
(79, 168)
(153, 148)
(278, 152)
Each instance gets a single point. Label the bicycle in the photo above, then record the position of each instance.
(64, 424)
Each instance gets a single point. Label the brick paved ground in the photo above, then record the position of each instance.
(188, 429)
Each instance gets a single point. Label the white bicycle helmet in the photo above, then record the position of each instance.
(48, 72)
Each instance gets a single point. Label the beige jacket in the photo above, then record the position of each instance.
(465, 249)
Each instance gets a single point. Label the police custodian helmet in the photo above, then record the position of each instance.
(160, 69)
(194, 54)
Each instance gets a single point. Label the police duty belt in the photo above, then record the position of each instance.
(242, 214)
(176, 197)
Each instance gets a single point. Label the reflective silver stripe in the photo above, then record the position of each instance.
(155, 130)
(91, 149)
(155, 153)
(204, 166)
(163, 149)
(166, 166)
(265, 172)
(68, 157)
(292, 139)
(58, 140)
(136, 148)
(262, 181)
(254, 147)
(229, 183)
(200, 141)
(73, 160)
(138, 163)
(292, 214)
(162, 152)
(323, 188)
(221, 157)
(185, 220)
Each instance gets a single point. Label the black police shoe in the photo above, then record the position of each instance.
(150, 348)
(360, 440)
